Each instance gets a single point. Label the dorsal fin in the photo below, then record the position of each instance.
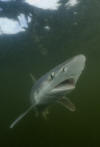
(33, 78)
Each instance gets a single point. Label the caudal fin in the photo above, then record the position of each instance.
(20, 117)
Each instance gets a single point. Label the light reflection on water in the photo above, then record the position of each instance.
(51, 4)
(14, 26)
(20, 24)
(44, 4)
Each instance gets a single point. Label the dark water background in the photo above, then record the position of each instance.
(71, 31)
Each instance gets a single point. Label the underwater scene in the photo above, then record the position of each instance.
(49, 73)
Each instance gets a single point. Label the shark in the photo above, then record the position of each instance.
(54, 86)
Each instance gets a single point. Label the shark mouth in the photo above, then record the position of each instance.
(66, 85)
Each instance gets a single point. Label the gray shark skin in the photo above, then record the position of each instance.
(55, 85)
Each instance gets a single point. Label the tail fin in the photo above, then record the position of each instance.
(20, 117)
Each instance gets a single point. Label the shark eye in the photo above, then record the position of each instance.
(64, 69)
(52, 75)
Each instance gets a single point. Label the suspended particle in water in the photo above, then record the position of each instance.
(44, 51)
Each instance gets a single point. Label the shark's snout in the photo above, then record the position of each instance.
(68, 78)
(76, 66)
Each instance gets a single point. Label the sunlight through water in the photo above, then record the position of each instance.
(44, 4)
(14, 26)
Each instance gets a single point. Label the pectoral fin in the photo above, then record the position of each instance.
(67, 104)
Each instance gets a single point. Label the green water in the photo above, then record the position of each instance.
(71, 31)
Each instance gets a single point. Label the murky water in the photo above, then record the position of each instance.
(35, 36)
